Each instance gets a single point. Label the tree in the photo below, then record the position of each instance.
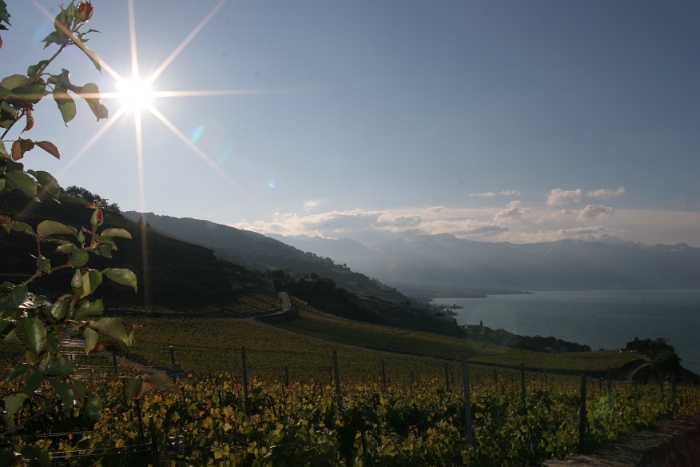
(91, 198)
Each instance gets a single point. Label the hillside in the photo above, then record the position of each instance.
(259, 252)
(434, 264)
(166, 273)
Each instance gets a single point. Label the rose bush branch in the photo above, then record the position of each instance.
(46, 376)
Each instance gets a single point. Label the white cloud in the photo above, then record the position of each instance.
(310, 204)
(463, 227)
(399, 223)
(511, 212)
(578, 233)
(596, 211)
(511, 224)
(558, 196)
(605, 194)
(491, 194)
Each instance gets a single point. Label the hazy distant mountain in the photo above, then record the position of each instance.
(446, 261)
(262, 253)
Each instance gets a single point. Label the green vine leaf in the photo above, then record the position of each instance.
(4, 15)
(35, 333)
(55, 38)
(60, 307)
(60, 366)
(66, 104)
(21, 227)
(66, 248)
(65, 392)
(122, 276)
(93, 408)
(111, 327)
(34, 69)
(33, 382)
(13, 81)
(121, 233)
(20, 180)
(44, 264)
(19, 295)
(16, 371)
(91, 337)
(91, 279)
(88, 309)
(90, 92)
(13, 403)
(47, 181)
(46, 228)
(79, 258)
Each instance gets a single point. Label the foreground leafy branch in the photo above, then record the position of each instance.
(47, 378)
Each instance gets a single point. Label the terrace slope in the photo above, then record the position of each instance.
(173, 275)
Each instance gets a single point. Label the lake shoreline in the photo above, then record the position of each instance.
(601, 319)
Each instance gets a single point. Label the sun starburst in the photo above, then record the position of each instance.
(139, 94)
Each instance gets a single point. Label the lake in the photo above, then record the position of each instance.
(600, 319)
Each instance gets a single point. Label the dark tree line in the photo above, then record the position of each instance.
(89, 197)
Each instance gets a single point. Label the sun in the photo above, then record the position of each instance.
(135, 94)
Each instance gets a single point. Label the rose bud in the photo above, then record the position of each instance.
(84, 12)
(97, 218)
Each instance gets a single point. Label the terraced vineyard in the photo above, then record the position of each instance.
(301, 424)
(318, 324)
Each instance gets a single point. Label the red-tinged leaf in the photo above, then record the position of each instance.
(108, 345)
(49, 147)
(30, 121)
(17, 152)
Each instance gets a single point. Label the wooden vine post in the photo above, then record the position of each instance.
(245, 381)
(337, 381)
(582, 416)
(467, 399)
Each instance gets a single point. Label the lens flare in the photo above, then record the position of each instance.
(196, 134)
(271, 184)
(224, 153)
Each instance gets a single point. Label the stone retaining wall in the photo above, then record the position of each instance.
(674, 443)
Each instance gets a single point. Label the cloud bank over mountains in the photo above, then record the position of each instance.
(516, 222)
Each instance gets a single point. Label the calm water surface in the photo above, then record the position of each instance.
(601, 319)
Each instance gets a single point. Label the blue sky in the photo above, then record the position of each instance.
(496, 121)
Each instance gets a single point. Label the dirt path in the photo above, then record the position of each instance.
(79, 346)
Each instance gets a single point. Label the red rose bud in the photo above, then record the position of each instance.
(84, 12)
(77, 280)
(97, 218)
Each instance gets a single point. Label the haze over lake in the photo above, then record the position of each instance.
(601, 319)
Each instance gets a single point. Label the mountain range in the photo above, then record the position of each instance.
(432, 263)
(443, 265)
(259, 252)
